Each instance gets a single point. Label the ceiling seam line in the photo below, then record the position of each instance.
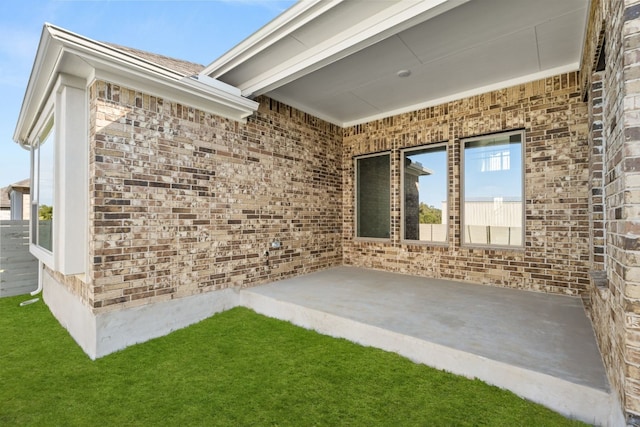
(534, 26)
(366, 102)
(408, 48)
(535, 32)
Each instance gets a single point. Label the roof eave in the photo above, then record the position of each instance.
(397, 17)
(46, 55)
(104, 59)
(284, 24)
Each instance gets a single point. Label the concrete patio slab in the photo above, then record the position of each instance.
(540, 346)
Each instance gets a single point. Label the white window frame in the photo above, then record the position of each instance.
(463, 144)
(355, 197)
(445, 213)
(68, 107)
(42, 127)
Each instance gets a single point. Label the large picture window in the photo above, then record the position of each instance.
(493, 192)
(373, 196)
(42, 206)
(424, 202)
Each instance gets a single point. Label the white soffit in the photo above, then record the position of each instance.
(342, 63)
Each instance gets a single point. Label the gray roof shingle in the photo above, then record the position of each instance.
(185, 68)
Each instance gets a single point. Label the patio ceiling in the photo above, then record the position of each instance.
(340, 60)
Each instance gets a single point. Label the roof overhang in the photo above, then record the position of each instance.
(340, 60)
(63, 52)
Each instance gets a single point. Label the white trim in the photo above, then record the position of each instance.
(37, 89)
(61, 51)
(47, 115)
(188, 92)
(42, 254)
(394, 19)
(67, 106)
(71, 220)
(290, 20)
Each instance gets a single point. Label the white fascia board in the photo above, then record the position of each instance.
(41, 80)
(283, 25)
(84, 46)
(466, 94)
(211, 82)
(56, 42)
(207, 92)
(396, 18)
(185, 92)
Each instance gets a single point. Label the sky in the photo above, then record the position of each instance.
(197, 31)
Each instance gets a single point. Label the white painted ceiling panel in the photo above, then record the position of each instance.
(270, 57)
(456, 73)
(345, 104)
(556, 42)
(471, 46)
(480, 21)
(339, 18)
(377, 62)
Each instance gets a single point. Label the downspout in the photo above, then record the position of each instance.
(40, 270)
(38, 290)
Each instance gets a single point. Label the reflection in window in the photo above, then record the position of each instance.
(373, 196)
(493, 190)
(42, 201)
(425, 194)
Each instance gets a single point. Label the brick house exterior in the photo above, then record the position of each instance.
(555, 123)
(609, 78)
(184, 201)
(183, 197)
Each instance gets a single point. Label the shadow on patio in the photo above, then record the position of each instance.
(540, 346)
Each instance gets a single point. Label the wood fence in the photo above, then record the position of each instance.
(18, 268)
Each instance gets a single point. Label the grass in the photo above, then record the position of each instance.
(236, 368)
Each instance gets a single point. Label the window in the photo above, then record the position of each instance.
(43, 179)
(373, 196)
(492, 188)
(424, 209)
(59, 177)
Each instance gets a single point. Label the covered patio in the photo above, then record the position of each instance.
(540, 346)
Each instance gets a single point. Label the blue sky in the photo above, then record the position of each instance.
(197, 31)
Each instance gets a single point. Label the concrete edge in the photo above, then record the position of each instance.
(75, 317)
(101, 334)
(572, 400)
(116, 330)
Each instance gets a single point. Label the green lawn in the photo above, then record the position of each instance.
(236, 368)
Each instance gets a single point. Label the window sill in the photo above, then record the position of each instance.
(372, 239)
(493, 247)
(42, 255)
(424, 243)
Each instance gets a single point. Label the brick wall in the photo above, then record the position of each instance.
(556, 253)
(626, 215)
(184, 202)
(614, 297)
(596, 173)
